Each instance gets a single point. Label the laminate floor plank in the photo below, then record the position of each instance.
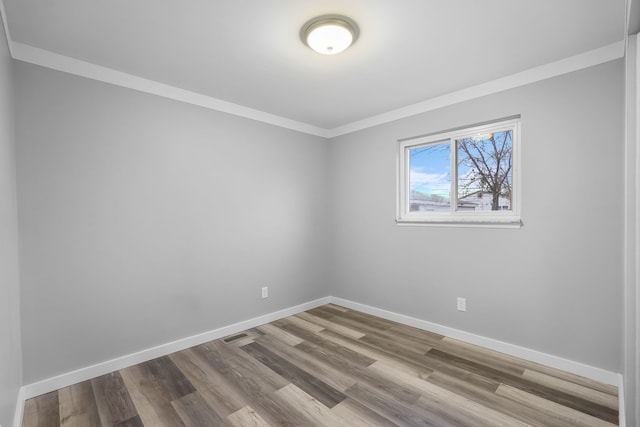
(356, 414)
(328, 351)
(357, 374)
(317, 367)
(131, 422)
(149, 397)
(310, 408)
(472, 373)
(295, 330)
(331, 366)
(401, 353)
(336, 307)
(172, 380)
(112, 399)
(573, 389)
(244, 338)
(327, 324)
(478, 380)
(280, 334)
(418, 365)
(316, 387)
(223, 396)
(373, 353)
(446, 404)
(396, 345)
(239, 368)
(506, 365)
(431, 338)
(406, 341)
(78, 406)
(255, 381)
(43, 411)
(550, 394)
(247, 417)
(552, 409)
(490, 399)
(366, 319)
(384, 405)
(195, 412)
(357, 324)
(304, 324)
(323, 312)
(481, 354)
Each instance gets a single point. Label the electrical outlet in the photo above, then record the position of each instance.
(265, 292)
(462, 304)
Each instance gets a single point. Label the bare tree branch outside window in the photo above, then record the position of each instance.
(485, 166)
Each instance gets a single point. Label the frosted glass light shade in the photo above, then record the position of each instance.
(329, 34)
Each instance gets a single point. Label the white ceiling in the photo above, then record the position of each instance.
(248, 52)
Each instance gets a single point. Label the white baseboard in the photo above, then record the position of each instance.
(50, 384)
(577, 368)
(17, 416)
(35, 389)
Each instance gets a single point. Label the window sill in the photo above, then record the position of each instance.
(505, 222)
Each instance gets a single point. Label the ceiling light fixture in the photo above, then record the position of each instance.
(329, 34)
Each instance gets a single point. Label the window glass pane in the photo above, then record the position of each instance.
(485, 173)
(430, 178)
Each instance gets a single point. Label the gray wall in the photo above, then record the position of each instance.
(144, 220)
(554, 285)
(10, 359)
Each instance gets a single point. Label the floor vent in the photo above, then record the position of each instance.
(235, 337)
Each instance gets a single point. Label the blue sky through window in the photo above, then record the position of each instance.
(430, 169)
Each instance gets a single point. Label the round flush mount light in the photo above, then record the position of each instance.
(329, 34)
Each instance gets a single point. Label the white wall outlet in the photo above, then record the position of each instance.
(462, 304)
(265, 292)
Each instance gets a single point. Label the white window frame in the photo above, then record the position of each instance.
(501, 219)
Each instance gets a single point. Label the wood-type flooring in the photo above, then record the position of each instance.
(331, 366)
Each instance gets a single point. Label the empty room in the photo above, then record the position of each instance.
(319, 213)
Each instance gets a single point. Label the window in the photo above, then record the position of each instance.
(462, 177)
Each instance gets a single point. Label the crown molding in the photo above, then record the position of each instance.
(44, 58)
(48, 59)
(543, 72)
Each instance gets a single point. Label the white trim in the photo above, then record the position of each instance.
(509, 223)
(543, 72)
(50, 384)
(18, 415)
(70, 65)
(577, 368)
